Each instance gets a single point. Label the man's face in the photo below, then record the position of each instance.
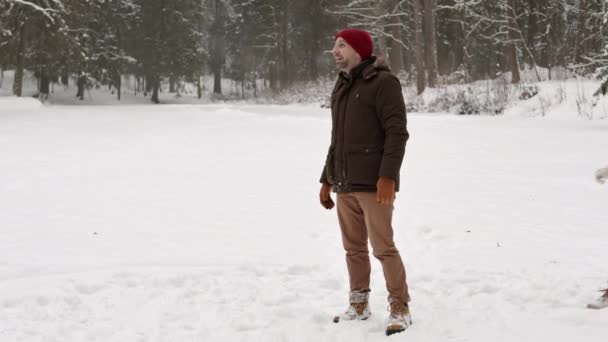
(345, 56)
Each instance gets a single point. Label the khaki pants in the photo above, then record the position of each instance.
(360, 217)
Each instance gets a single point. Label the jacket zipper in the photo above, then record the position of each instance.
(344, 133)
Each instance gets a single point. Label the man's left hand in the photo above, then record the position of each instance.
(386, 191)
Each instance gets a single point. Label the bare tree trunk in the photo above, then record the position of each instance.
(255, 86)
(395, 55)
(217, 81)
(390, 46)
(419, 49)
(19, 65)
(515, 29)
(155, 89)
(199, 88)
(511, 47)
(118, 86)
(172, 84)
(284, 56)
(317, 37)
(533, 27)
(273, 75)
(217, 58)
(394, 49)
(80, 84)
(580, 31)
(43, 89)
(430, 45)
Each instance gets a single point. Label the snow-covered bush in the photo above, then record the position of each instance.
(528, 92)
(482, 97)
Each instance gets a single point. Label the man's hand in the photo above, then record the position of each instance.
(601, 175)
(325, 196)
(386, 191)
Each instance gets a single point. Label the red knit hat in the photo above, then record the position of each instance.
(359, 40)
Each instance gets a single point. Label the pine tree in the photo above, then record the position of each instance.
(600, 59)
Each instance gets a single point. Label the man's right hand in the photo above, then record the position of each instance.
(325, 196)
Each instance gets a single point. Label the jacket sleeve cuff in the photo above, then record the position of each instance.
(387, 171)
(323, 178)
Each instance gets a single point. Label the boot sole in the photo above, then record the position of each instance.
(393, 330)
(337, 319)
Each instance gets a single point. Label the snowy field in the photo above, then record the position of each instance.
(202, 223)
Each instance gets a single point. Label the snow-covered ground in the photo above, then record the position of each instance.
(201, 223)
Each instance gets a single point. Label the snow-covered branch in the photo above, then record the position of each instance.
(44, 11)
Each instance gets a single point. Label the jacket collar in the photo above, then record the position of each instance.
(372, 70)
(365, 70)
(357, 71)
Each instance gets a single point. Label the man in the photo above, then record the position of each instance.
(362, 166)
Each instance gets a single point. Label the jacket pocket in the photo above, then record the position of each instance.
(363, 164)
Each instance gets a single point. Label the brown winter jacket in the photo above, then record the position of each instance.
(369, 129)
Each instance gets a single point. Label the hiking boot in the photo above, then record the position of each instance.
(399, 318)
(358, 308)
